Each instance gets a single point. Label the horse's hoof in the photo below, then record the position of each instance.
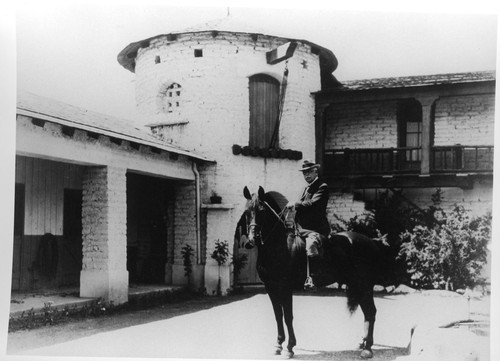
(366, 354)
(278, 349)
(287, 355)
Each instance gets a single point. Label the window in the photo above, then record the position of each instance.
(410, 129)
(169, 99)
(264, 104)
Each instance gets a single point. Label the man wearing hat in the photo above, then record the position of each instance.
(310, 217)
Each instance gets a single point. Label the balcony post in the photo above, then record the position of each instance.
(427, 116)
(458, 165)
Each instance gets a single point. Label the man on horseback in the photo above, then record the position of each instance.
(310, 217)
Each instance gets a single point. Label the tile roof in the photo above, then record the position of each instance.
(417, 81)
(35, 106)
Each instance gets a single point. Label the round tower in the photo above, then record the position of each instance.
(195, 88)
(236, 95)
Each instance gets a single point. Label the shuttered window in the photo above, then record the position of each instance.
(264, 100)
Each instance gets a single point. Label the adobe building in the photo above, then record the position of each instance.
(410, 135)
(97, 201)
(226, 106)
(237, 96)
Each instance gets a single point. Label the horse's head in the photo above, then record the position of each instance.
(254, 213)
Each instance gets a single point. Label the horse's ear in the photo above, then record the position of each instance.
(261, 192)
(246, 193)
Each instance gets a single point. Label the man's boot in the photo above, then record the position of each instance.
(313, 271)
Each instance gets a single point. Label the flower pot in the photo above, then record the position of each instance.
(216, 199)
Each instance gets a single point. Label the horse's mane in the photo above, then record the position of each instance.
(278, 199)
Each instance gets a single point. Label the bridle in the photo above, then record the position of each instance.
(257, 228)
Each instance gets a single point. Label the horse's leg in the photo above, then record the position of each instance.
(288, 313)
(278, 314)
(367, 304)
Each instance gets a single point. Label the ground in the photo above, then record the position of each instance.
(243, 327)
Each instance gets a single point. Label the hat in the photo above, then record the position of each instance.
(308, 165)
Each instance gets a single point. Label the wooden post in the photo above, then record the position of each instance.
(427, 117)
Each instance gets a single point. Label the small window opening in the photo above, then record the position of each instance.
(170, 99)
(198, 53)
(157, 59)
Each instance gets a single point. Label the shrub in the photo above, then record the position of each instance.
(220, 254)
(449, 254)
(432, 248)
(187, 252)
(239, 262)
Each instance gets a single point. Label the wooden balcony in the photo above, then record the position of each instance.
(462, 159)
(368, 164)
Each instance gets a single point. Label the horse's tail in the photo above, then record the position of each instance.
(353, 299)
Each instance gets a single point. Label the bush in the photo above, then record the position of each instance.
(433, 249)
(449, 254)
(220, 254)
(187, 252)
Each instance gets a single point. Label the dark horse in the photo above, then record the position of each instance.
(348, 258)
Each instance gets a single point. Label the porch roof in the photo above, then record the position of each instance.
(35, 106)
(418, 81)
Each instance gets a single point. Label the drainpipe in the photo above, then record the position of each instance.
(198, 212)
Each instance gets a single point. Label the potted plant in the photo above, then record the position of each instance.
(215, 198)
(220, 255)
(187, 252)
(239, 262)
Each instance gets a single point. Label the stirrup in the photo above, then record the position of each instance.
(309, 284)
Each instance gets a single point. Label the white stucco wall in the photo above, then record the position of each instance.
(213, 112)
(215, 103)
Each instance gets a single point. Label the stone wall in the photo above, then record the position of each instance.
(466, 120)
(343, 206)
(361, 125)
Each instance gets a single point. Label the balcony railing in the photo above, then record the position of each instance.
(407, 160)
(462, 159)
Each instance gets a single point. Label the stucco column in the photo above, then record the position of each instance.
(427, 132)
(104, 223)
(220, 226)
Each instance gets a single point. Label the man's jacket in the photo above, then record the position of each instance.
(311, 208)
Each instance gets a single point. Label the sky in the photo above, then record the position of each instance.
(68, 51)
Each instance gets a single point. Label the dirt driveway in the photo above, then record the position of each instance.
(243, 327)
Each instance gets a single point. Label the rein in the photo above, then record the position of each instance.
(278, 216)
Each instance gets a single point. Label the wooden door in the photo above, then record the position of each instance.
(71, 243)
(264, 102)
(409, 116)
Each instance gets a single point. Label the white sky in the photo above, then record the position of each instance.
(68, 51)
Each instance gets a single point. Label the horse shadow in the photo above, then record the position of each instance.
(383, 352)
